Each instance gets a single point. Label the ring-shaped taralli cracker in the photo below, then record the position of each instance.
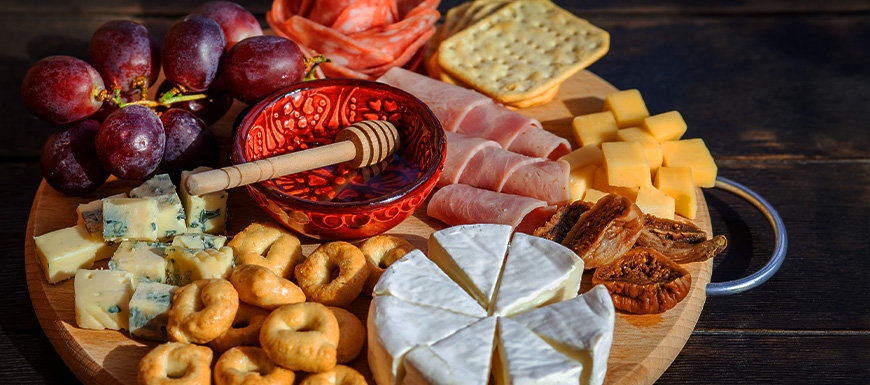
(176, 363)
(249, 365)
(352, 335)
(339, 375)
(245, 330)
(301, 336)
(267, 245)
(259, 286)
(380, 252)
(202, 310)
(334, 274)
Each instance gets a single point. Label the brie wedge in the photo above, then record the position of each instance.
(463, 357)
(525, 359)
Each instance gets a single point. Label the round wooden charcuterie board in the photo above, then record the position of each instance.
(643, 345)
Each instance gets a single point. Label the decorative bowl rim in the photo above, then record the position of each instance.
(244, 125)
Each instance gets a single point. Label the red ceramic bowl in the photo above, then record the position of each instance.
(336, 202)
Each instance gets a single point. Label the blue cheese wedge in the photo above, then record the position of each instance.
(184, 266)
(171, 219)
(90, 215)
(524, 358)
(537, 271)
(199, 241)
(144, 259)
(472, 255)
(102, 299)
(127, 219)
(463, 357)
(580, 328)
(149, 310)
(62, 252)
(205, 213)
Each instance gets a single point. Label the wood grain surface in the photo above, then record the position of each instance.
(643, 346)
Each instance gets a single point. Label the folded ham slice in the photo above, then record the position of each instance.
(460, 150)
(459, 204)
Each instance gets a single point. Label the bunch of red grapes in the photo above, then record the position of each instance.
(109, 126)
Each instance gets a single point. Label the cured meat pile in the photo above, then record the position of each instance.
(362, 38)
(499, 166)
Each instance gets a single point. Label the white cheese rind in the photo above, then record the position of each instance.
(472, 255)
(102, 299)
(395, 327)
(205, 213)
(581, 328)
(126, 219)
(149, 310)
(526, 359)
(462, 358)
(537, 271)
(184, 266)
(62, 252)
(416, 279)
(199, 241)
(144, 259)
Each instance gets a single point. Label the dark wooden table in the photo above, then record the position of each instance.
(778, 89)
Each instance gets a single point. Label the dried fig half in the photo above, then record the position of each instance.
(644, 281)
(562, 221)
(606, 231)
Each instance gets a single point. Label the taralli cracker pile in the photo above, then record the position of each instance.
(517, 52)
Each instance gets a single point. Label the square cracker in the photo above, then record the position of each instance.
(522, 49)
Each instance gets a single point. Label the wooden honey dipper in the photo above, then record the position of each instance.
(362, 144)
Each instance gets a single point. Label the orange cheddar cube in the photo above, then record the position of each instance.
(667, 126)
(677, 183)
(600, 183)
(593, 195)
(626, 164)
(653, 201)
(692, 153)
(579, 180)
(584, 156)
(650, 145)
(627, 106)
(594, 128)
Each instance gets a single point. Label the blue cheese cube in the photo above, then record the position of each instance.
(90, 215)
(171, 219)
(62, 252)
(205, 213)
(130, 219)
(184, 266)
(145, 260)
(102, 299)
(199, 241)
(149, 310)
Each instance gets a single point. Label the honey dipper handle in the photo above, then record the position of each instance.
(362, 144)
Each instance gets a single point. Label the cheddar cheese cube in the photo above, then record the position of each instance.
(579, 180)
(62, 252)
(584, 156)
(667, 126)
(600, 183)
(593, 195)
(593, 129)
(650, 145)
(692, 153)
(677, 183)
(653, 201)
(627, 106)
(626, 164)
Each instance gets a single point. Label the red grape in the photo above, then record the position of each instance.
(123, 51)
(62, 89)
(69, 161)
(131, 142)
(236, 22)
(210, 109)
(192, 52)
(261, 65)
(189, 142)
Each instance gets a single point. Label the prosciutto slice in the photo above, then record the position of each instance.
(459, 204)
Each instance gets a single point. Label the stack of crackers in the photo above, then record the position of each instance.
(516, 52)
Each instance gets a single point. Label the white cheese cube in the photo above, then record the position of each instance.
(199, 241)
(144, 259)
(62, 252)
(90, 214)
(184, 266)
(171, 219)
(130, 219)
(149, 310)
(205, 213)
(102, 299)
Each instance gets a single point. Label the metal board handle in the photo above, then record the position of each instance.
(746, 283)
